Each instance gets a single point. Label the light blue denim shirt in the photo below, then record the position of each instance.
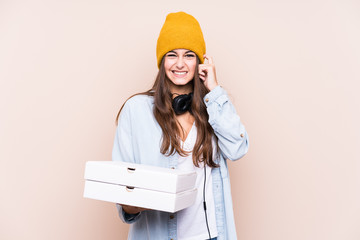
(138, 139)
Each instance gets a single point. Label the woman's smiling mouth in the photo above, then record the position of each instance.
(179, 73)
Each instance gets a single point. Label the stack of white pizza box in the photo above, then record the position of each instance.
(150, 187)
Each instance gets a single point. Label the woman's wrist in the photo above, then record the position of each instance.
(132, 210)
(212, 86)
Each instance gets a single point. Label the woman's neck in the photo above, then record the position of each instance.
(181, 89)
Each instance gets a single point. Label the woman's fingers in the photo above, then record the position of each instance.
(203, 70)
(207, 72)
(202, 75)
(210, 59)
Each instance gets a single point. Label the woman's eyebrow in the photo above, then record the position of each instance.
(172, 51)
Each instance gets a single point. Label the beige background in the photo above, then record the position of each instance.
(291, 68)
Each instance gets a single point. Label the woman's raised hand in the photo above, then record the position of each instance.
(207, 73)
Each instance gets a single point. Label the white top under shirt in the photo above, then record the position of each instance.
(191, 223)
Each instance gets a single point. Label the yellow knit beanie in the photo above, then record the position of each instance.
(180, 30)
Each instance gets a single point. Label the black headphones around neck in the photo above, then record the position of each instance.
(182, 103)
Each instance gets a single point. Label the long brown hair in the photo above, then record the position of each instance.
(165, 116)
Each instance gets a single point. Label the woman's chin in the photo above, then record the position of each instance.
(180, 81)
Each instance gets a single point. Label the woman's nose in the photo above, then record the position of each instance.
(180, 63)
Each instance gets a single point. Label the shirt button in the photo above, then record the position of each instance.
(207, 100)
(171, 216)
(242, 135)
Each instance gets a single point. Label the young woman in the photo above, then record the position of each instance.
(185, 121)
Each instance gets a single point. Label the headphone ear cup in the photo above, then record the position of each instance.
(182, 103)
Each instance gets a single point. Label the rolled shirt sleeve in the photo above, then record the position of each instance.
(232, 137)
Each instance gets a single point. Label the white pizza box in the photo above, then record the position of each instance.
(139, 197)
(140, 176)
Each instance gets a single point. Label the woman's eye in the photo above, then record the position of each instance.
(189, 55)
(171, 55)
